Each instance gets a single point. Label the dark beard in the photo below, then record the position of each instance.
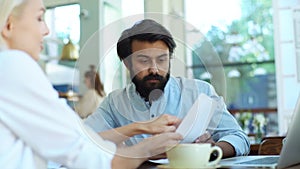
(153, 91)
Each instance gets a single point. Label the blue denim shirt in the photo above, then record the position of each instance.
(124, 106)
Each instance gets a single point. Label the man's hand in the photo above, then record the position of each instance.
(162, 124)
(227, 148)
(205, 138)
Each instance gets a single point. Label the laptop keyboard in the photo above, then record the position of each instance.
(266, 160)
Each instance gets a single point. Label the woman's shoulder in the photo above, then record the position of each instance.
(91, 92)
(18, 58)
(10, 54)
(21, 66)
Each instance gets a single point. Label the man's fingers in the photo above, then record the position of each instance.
(203, 138)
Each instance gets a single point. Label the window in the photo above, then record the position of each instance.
(112, 67)
(241, 35)
(64, 24)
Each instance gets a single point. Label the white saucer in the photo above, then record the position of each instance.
(166, 166)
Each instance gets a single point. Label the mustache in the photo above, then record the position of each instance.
(153, 77)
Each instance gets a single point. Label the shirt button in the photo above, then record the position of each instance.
(152, 115)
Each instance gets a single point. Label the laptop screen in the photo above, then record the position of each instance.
(291, 148)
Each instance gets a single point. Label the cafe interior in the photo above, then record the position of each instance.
(252, 60)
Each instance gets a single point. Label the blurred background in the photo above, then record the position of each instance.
(248, 50)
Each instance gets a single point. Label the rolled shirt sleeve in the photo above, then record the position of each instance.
(228, 130)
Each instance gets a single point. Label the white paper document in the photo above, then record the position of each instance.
(197, 119)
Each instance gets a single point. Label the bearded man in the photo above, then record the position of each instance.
(155, 102)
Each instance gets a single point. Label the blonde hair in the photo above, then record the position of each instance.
(7, 7)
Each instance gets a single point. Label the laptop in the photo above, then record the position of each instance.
(289, 154)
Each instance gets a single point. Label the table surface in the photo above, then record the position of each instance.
(150, 165)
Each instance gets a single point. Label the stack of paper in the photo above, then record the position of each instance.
(195, 123)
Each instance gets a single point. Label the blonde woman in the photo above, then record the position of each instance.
(35, 126)
(93, 96)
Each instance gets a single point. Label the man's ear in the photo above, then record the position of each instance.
(7, 29)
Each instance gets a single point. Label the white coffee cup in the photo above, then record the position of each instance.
(193, 155)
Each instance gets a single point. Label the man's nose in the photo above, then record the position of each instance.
(153, 68)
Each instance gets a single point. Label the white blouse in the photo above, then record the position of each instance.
(37, 127)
